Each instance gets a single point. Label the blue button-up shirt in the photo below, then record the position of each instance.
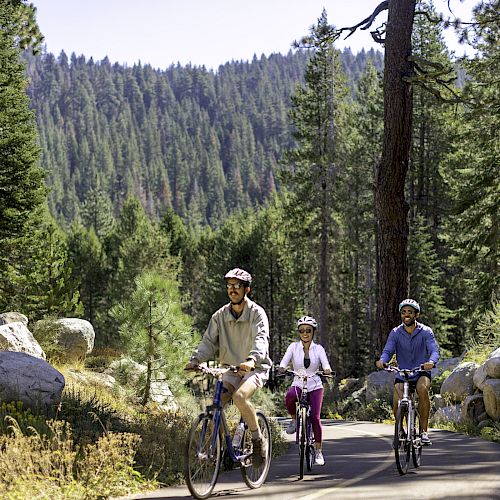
(413, 349)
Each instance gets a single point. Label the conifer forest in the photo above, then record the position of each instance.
(115, 176)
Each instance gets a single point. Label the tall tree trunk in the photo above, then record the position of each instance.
(323, 332)
(391, 207)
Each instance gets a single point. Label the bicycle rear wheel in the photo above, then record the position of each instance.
(416, 448)
(402, 439)
(302, 440)
(310, 450)
(201, 462)
(254, 477)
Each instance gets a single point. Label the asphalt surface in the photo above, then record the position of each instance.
(360, 465)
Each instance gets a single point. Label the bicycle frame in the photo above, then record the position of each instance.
(216, 410)
(407, 406)
(305, 440)
(209, 445)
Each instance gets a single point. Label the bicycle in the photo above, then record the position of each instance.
(407, 429)
(210, 444)
(304, 436)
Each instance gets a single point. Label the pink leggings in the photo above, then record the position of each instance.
(316, 400)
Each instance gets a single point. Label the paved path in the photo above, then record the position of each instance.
(360, 465)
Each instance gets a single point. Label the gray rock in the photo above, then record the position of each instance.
(16, 337)
(492, 364)
(448, 414)
(13, 317)
(459, 384)
(473, 408)
(379, 384)
(439, 401)
(28, 379)
(491, 393)
(72, 338)
(485, 423)
(444, 365)
(480, 377)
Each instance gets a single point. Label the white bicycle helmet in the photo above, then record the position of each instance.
(239, 274)
(411, 303)
(307, 320)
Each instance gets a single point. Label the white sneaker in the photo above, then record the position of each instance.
(292, 427)
(320, 460)
(424, 438)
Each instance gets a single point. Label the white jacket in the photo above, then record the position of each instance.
(317, 355)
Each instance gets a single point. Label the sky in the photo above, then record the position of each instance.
(201, 32)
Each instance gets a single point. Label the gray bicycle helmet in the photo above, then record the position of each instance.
(411, 303)
(239, 274)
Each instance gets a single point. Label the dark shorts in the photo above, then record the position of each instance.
(413, 381)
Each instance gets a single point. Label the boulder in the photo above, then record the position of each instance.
(13, 317)
(473, 408)
(451, 413)
(379, 384)
(459, 384)
(69, 338)
(16, 337)
(491, 394)
(438, 401)
(29, 379)
(480, 377)
(92, 379)
(492, 364)
(444, 365)
(128, 372)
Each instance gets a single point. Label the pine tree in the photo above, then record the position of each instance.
(154, 328)
(21, 180)
(317, 114)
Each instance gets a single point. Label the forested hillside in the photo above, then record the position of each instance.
(165, 179)
(200, 142)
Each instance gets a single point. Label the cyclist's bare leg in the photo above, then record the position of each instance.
(241, 398)
(423, 386)
(397, 395)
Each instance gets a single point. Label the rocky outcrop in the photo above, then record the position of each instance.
(16, 337)
(30, 380)
(71, 337)
(379, 384)
(477, 387)
(13, 317)
(491, 394)
(459, 384)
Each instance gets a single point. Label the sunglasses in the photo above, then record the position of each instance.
(236, 286)
(305, 330)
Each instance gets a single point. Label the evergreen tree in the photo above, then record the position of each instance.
(473, 169)
(21, 179)
(317, 109)
(154, 328)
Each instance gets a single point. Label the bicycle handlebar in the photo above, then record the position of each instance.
(404, 371)
(304, 374)
(215, 372)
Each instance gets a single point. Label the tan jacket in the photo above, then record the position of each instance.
(236, 339)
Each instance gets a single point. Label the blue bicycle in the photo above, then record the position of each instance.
(210, 445)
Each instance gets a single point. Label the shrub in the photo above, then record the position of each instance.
(51, 466)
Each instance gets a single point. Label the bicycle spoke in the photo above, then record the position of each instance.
(202, 465)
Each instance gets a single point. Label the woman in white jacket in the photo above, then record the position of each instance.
(307, 355)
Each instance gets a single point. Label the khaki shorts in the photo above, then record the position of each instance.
(232, 380)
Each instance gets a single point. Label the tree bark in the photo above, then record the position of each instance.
(390, 205)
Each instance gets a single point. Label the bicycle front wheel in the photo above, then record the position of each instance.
(416, 448)
(302, 441)
(402, 439)
(254, 477)
(202, 461)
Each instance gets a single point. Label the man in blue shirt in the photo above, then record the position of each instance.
(414, 345)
